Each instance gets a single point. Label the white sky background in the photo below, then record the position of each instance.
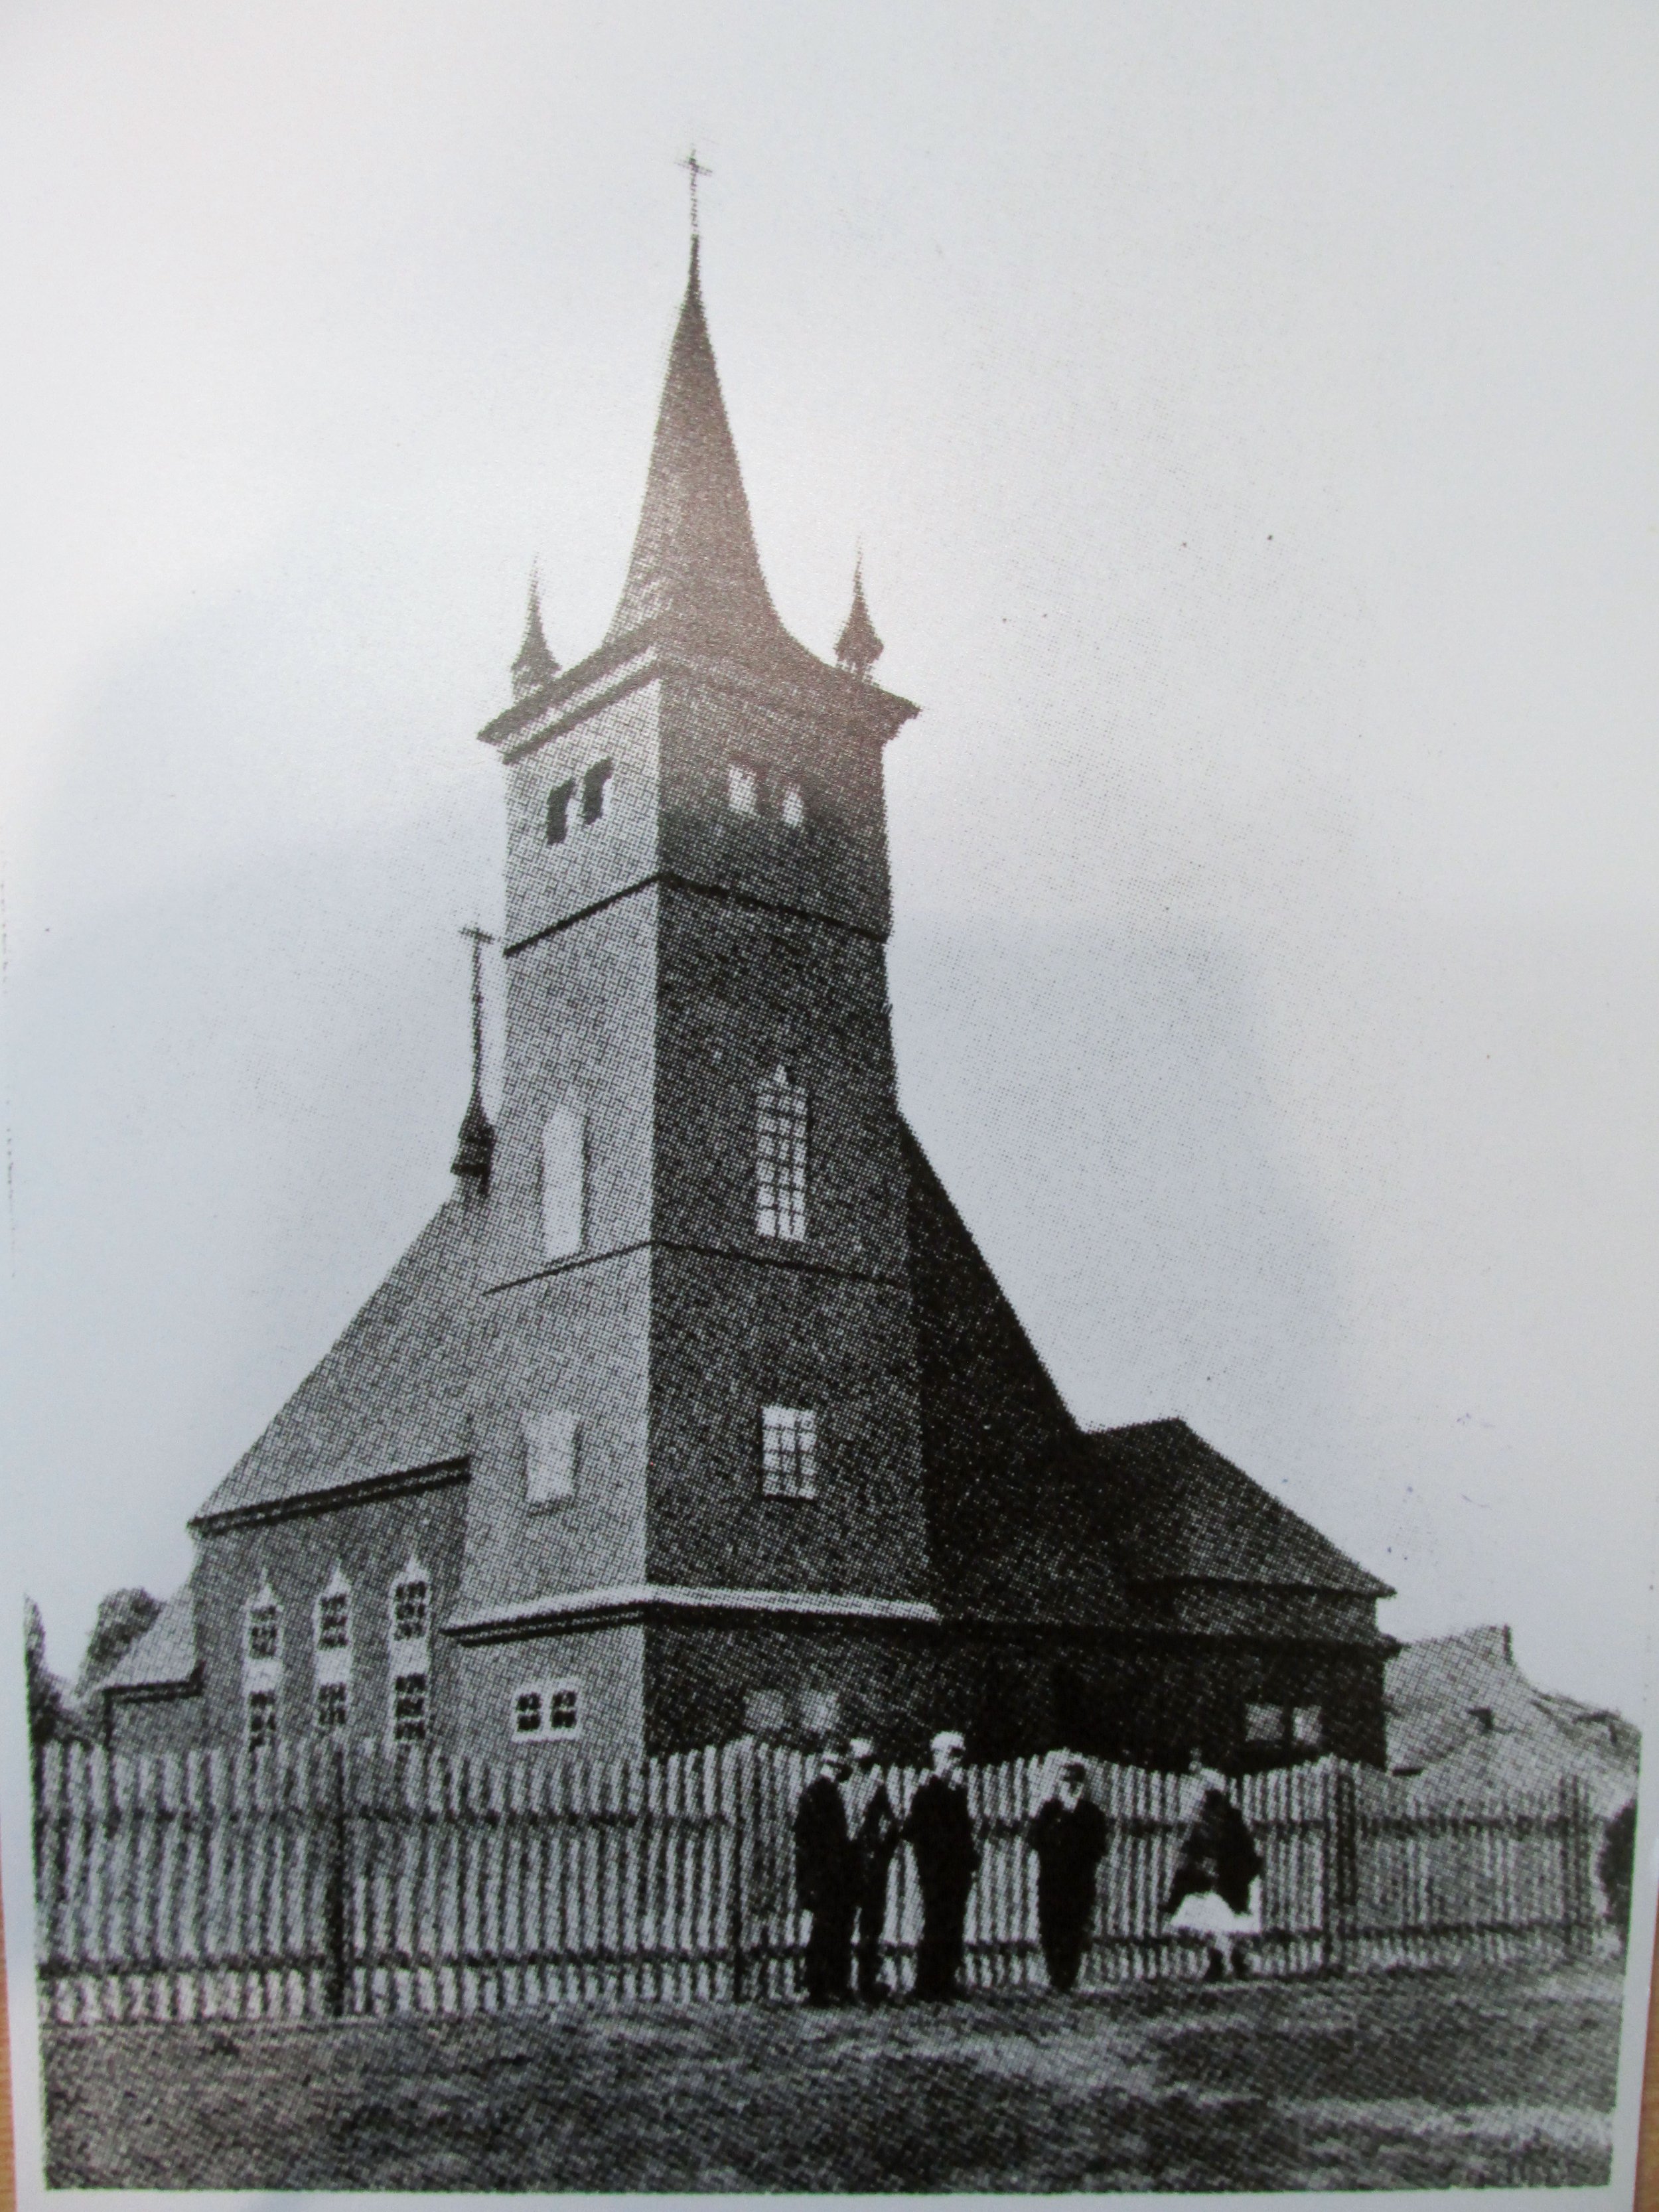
(1249, 415)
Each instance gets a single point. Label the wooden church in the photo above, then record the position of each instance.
(696, 1411)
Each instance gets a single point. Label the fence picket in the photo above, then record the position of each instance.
(299, 1880)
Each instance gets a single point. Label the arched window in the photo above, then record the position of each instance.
(331, 1660)
(410, 1664)
(781, 1157)
(262, 1666)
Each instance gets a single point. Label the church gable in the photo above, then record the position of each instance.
(391, 1395)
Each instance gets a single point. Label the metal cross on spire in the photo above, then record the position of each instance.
(480, 938)
(694, 169)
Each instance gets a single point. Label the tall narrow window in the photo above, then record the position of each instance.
(550, 1456)
(564, 1175)
(596, 791)
(558, 813)
(409, 1610)
(792, 805)
(781, 1134)
(262, 1665)
(742, 787)
(789, 1451)
(412, 1628)
(332, 1661)
(409, 1708)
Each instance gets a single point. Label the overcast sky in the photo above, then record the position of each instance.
(1248, 414)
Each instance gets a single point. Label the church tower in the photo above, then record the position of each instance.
(696, 1472)
(696, 1411)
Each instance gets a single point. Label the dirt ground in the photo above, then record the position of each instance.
(1381, 2082)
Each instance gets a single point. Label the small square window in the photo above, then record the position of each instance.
(264, 1630)
(261, 1719)
(596, 791)
(558, 813)
(542, 1711)
(409, 1708)
(333, 1707)
(792, 805)
(1264, 1723)
(742, 787)
(765, 1713)
(820, 1711)
(789, 1451)
(1308, 1727)
(334, 1621)
(409, 1611)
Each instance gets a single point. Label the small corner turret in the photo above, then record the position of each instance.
(535, 667)
(857, 648)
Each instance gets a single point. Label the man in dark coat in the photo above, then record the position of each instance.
(826, 1880)
(875, 1839)
(940, 1830)
(1068, 1837)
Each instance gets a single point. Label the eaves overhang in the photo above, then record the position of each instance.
(626, 1604)
(333, 1495)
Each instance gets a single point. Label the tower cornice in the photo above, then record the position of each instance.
(795, 681)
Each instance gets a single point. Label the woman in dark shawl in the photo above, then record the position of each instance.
(1216, 1894)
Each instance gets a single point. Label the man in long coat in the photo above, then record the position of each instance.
(1068, 1837)
(826, 1880)
(875, 1830)
(940, 1830)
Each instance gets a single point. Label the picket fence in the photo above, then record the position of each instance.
(306, 1882)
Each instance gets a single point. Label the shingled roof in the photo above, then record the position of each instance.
(1181, 1513)
(391, 1394)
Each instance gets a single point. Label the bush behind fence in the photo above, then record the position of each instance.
(313, 1881)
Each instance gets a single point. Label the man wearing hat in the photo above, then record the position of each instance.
(1068, 1837)
(875, 1831)
(939, 1831)
(826, 1880)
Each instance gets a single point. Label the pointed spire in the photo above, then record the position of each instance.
(857, 648)
(694, 559)
(476, 1145)
(535, 665)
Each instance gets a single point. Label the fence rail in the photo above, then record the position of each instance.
(309, 1882)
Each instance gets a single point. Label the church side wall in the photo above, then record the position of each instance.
(729, 1339)
(605, 1664)
(371, 1543)
(1011, 1695)
(578, 1341)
